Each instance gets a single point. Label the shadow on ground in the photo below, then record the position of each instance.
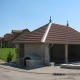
(13, 65)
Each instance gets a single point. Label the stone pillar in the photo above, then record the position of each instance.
(66, 53)
(17, 54)
(17, 50)
(46, 54)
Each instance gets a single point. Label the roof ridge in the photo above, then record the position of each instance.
(46, 32)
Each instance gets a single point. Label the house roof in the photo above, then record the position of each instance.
(19, 31)
(34, 36)
(27, 31)
(63, 35)
(52, 33)
(16, 31)
(8, 37)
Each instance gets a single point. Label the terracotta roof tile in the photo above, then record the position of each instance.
(58, 34)
(16, 31)
(8, 37)
(18, 34)
(63, 34)
(34, 36)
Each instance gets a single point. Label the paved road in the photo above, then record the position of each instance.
(15, 75)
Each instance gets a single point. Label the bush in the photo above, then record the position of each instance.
(9, 57)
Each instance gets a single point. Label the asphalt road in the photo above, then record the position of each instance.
(15, 75)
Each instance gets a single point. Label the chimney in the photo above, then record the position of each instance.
(50, 20)
(67, 23)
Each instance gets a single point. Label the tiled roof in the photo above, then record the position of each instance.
(34, 36)
(27, 31)
(8, 37)
(16, 31)
(58, 34)
(63, 35)
(19, 31)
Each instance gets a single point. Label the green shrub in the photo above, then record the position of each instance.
(9, 57)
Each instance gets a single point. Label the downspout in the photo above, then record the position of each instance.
(51, 45)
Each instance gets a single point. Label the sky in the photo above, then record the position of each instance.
(32, 14)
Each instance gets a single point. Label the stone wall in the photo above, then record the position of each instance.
(39, 49)
(34, 49)
(19, 61)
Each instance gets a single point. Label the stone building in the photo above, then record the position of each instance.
(49, 43)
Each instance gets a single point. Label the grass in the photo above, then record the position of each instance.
(4, 53)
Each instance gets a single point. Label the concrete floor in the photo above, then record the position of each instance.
(8, 72)
(15, 75)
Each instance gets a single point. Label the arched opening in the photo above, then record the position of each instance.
(26, 58)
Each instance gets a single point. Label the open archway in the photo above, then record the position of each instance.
(26, 58)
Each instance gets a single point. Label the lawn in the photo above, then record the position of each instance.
(4, 53)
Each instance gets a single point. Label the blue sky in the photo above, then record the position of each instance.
(32, 14)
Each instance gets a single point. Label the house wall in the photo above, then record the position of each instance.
(34, 49)
(46, 54)
(19, 61)
(41, 50)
